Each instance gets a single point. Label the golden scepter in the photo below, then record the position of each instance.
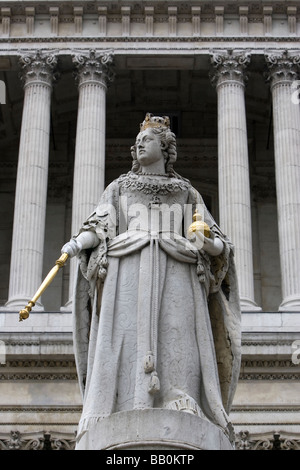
(23, 314)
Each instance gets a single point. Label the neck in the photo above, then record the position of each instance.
(157, 168)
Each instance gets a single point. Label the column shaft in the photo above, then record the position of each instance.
(286, 123)
(31, 185)
(89, 169)
(234, 185)
(93, 74)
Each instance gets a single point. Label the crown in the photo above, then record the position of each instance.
(155, 121)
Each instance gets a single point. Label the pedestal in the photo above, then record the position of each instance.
(153, 429)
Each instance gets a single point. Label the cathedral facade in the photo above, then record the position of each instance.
(76, 79)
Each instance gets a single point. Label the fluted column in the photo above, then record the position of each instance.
(94, 72)
(283, 71)
(32, 178)
(233, 167)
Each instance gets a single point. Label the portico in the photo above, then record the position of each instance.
(89, 76)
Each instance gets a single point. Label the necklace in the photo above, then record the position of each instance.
(131, 181)
(153, 174)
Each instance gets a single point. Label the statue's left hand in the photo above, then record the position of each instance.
(212, 245)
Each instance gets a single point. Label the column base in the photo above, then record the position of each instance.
(290, 304)
(152, 429)
(67, 307)
(248, 305)
(19, 304)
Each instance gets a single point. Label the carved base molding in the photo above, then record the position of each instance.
(267, 441)
(16, 440)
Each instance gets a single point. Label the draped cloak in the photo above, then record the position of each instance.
(156, 320)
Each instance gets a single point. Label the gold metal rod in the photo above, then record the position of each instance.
(23, 314)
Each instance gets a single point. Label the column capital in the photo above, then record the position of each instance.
(282, 67)
(229, 66)
(38, 68)
(94, 67)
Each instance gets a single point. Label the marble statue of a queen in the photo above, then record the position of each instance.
(156, 308)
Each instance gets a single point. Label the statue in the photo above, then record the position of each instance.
(156, 305)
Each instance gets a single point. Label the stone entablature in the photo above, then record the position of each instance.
(155, 19)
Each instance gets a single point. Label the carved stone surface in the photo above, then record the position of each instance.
(94, 67)
(245, 440)
(153, 348)
(153, 430)
(229, 67)
(133, 22)
(268, 441)
(15, 440)
(38, 68)
(283, 68)
(256, 26)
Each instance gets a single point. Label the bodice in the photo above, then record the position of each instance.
(154, 203)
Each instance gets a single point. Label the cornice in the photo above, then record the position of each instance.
(137, 7)
(51, 369)
(134, 21)
(160, 39)
(41, 409)
(269, 376)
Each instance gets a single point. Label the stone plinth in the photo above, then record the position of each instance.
(153, 429)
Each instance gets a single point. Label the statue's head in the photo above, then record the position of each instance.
(160, 127)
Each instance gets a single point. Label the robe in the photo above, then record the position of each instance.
(156, 319)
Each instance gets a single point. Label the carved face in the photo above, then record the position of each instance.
(148, 148)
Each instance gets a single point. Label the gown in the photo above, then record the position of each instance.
(156, 319)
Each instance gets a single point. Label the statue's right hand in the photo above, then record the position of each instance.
(72, 248)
